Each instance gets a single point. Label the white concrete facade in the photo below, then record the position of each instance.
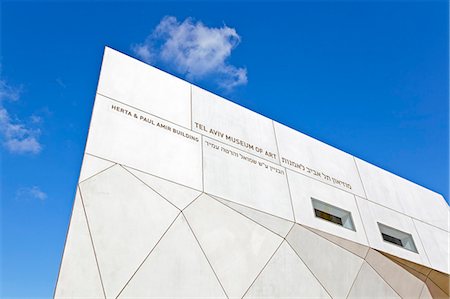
(183, 194)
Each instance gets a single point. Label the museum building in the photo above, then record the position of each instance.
(184, 194)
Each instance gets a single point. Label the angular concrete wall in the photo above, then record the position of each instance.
(183, 194)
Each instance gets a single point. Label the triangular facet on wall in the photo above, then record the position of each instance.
(176, 268)
(439, 279)
(442, 280)
(286, 276)
(435, 291)
(334, 267)
(178, 195)
(408, 264)
(369, 283)
(79, 276)
(93, 165)
(358, 249)
(402, 281)
(276, 224)
(125, 232)
(236, 247)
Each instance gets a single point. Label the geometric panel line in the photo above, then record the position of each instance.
(264, 267)
(177, 194)
(151, 250)
(422, 272)
(384, 279)
(134, 168)
(248, 207)
(351, 287)
(203, 251)
(150, 187)
(92, 166)
(264, 214)
(309, 268)
(92, 241)
(340, 242)
(324, 259)
(131, 205)
(234, 244)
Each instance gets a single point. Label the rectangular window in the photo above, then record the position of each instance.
(397, 237)
(333, 214)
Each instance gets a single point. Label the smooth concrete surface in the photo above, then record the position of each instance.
(178, 195)
(325, 260)
(436, 243)
(372, 214)
(286, 276)
(402, 282)
(125, 231)
(317, 160)
(276, 224)
(223, 120)
(137, 139)
(403, 196)
(304, 189)
(183, 194)
(79, 276)
(176, 268)
(233, 243)
(93, 165)
(369, 284)
(145, 87)
(246, 179)
(358, 249)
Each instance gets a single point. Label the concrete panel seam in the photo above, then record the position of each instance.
(276, 142)
(64, 247)
(423, 287)
(151, 250)
(97, 173)
(421, 243)
(309, 268)
(192, 201)
(334, 242)
(150, 187)
(206, 257)
(245, 206)
(290, 194)
(384, 279)
(362, 222)
(246, 216)
(92, 240)
(354, 280)
(145, 172)
(409, 216)
(435, 284)
(265, 265)
(359, 175)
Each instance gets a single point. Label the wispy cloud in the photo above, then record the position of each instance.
(60, 82)
(194, 50)
(16, 135)
(31, 193)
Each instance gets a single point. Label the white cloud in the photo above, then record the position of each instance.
(194, 50)
(8, 92)
(31, 193)
(16, 135)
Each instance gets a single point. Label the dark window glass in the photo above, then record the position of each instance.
(329, 217)
(393, 240)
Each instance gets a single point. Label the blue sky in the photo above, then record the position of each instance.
(370, 78)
